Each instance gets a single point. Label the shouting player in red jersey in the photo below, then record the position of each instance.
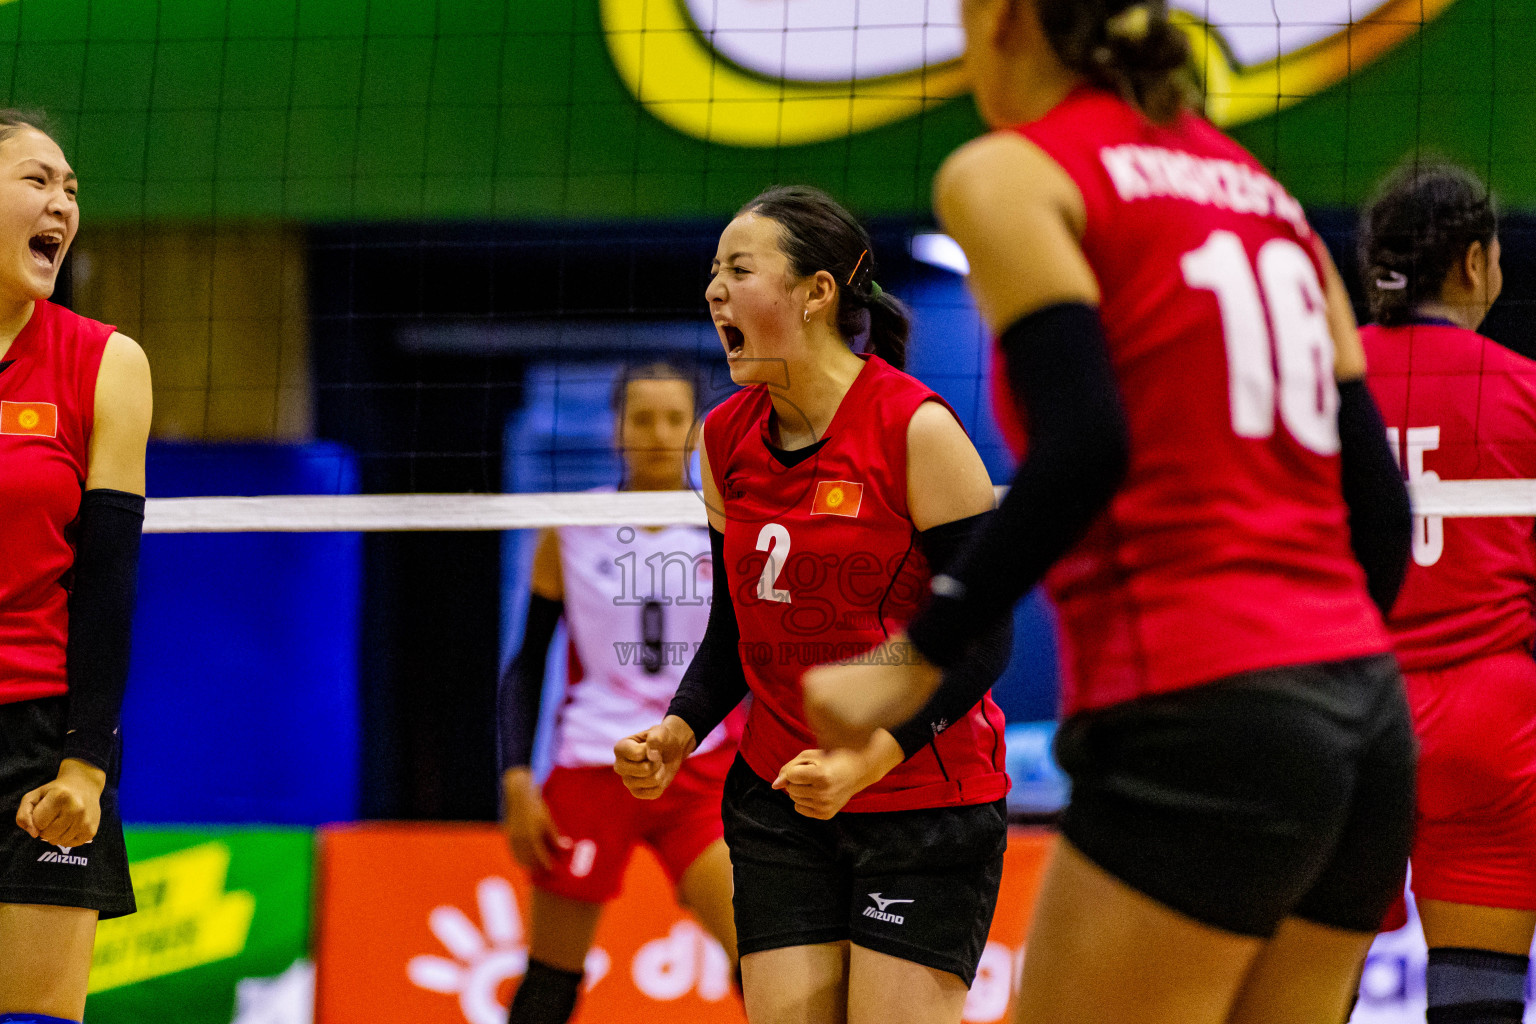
(866, 879)
(626, 630)
(1170, 332)
(74, 421)
(1460, 406)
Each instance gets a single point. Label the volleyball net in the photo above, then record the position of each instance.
(461, 512)
(429, 235)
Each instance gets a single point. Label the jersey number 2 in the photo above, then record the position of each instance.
(1289, 350)
(773, 539)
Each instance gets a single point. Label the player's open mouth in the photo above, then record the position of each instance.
(734, 339)
(45, 246)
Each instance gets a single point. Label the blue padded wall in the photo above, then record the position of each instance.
(242, 698)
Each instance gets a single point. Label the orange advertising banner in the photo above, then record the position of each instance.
(427, 923)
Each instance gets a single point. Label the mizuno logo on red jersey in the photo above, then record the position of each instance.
(837, 498)
(40, 419)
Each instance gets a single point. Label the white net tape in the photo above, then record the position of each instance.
(393, 512)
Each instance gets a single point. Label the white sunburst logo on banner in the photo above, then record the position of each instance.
(792, 72)
(486, 957)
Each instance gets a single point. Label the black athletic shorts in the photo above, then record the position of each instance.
(94, 876)
(920, 885)
(1286, 792)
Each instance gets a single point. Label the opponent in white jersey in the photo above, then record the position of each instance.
(635, 602)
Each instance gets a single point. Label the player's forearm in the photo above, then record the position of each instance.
(966, 681)
(520, 690)
(714, 682)
(101, 603)
(1380, 517)
(1061, 376)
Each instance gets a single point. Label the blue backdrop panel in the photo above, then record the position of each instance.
(243, 694)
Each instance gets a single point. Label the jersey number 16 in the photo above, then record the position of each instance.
(1289, 350)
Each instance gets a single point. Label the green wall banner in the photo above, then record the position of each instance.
(218, 908)
(336, 110)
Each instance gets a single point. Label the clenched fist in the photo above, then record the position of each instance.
(821, 782)
(648, 761)
(66, 811)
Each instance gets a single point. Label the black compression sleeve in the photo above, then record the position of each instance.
(971, 675)
(1062, 381)
(101, 600)
(1380, 518)
(714, 682)
(521, 687)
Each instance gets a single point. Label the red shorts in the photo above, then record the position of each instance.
(592, 808)
(1476, 828)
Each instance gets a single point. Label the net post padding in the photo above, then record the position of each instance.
(356, 513)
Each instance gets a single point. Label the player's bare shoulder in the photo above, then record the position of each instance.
(124, 372)
(1004, 170)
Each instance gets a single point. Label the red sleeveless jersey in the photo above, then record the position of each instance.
(1227, 548)
(1459, 406)
(47, 405)
(824, 564)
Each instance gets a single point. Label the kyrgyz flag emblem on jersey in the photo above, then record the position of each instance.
(37, 418)
(837, 498)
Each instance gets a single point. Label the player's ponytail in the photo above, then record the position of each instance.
(1129, 47)
(890, 327)
(1416, 230)
(818, 234)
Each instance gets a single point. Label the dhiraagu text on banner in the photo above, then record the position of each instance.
(341, 110)
(222, 929)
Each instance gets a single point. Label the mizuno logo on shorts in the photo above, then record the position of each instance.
(62, 856)
(878, 910)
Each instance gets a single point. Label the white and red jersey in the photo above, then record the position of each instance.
(1459, 406)
(824, 564)
(47, 408)
(636, 604)
(1227, 548)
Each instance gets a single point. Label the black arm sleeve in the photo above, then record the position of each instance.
(101, 600)
(1380, 518)
(714, 682)
(521, 687)
(969, 678)
(1061, 378)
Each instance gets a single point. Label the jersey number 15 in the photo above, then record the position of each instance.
(1428, 531)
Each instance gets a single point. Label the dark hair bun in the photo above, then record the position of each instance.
(1146, 60)
(1420, 225)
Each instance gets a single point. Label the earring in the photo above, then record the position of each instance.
(807, 316)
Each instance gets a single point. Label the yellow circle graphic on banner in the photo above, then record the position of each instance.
(29, 419)
(766, 74)
(1306, 56)
(834, 497)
